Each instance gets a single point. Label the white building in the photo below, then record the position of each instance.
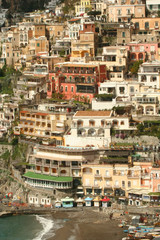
(153, 5)
(149, 74)
(74, 26)
(89, 128)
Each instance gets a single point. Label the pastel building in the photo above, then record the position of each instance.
(77, 80)
(153, 5)
(143, 51)
(124, 10)
(83, 7)
(43, 124)
(149, 75)
(146, 103)
(146, 29)
(108, 179)
(90, 127)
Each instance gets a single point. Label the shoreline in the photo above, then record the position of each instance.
(87, 225)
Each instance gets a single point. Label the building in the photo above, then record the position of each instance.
(143, 51)
(146, 29)
(83, 7)
(90, 128)
(77, 80)
(149, 74)
(125, 10)
(153, 5)
(43, 124)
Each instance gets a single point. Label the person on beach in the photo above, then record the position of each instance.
(111, 216)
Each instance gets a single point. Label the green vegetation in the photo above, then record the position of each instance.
(6, 82)
(94, 14)
(133, 67)
(46, 177)
(105, 97)
(154, 193)
(150, 128)
(123, 144)
(23, 6)
(69, 6)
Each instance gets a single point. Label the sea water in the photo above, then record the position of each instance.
(28, 227)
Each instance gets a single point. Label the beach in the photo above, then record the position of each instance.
(88, 224)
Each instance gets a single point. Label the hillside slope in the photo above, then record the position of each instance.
(23, 5)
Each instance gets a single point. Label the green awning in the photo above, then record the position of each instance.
(38, 176)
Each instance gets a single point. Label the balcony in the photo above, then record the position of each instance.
(54, 165)
(96, 186)
(146, 176)
(87, 185)
(39, 163)
(108, 177)
(97, 175)
(107, 186)
(54, 174)
(76, 167)
(46, 164)
(38, 171)
(116, 186)
(133, 176)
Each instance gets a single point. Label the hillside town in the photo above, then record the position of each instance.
(80, 104)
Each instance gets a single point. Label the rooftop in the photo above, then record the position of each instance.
(93, 113)
(47, 177)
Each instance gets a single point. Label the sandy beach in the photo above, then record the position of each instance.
(87, 225)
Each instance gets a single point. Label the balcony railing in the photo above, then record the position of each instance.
(97, 175)
(133, 176)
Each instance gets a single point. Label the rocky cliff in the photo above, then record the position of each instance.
(23, 5)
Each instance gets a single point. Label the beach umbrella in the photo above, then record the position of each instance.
(105, 199)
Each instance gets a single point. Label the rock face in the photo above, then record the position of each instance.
(23, 5)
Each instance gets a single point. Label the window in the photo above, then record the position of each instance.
(107, 173)
(133, 49)
(123, 34)
(66, 89)
(123, 184)
(121, 89)
(151, 6)
(97, 172)
(129, 183)
(141, 48)
(146, 25)
(38, 45)
(156, 25)
(119, 11)
(122, 122)
(7, 54)
(137, 25)
(128, 11)
(132, 89)
(152, 48)
(71, 89)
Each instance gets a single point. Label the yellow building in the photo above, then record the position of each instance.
(84, 48)
(43, 124)
(83, 7)
(109, 179)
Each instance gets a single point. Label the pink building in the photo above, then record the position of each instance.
(143, 51)
(76, 80)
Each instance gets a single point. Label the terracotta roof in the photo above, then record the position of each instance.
(93, 113)
(74, 19)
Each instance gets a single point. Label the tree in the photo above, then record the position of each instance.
(133, 68)
(94, 14)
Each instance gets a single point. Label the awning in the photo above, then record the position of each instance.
(105, 199)
(59, 125)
